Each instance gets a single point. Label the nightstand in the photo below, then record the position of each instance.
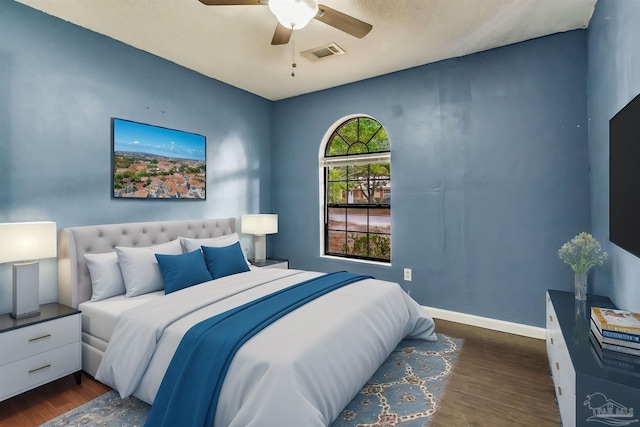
(271, 263)
(39, 349)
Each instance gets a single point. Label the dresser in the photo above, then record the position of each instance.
(39, 349)
(591, 390)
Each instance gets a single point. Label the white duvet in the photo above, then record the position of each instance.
(300, 371)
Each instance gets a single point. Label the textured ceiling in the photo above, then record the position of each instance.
(232, 43)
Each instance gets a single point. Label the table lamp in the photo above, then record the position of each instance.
(27, 242)
(259, 225)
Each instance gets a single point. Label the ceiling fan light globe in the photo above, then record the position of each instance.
(294, 14)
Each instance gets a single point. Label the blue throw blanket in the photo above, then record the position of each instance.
(188, 394)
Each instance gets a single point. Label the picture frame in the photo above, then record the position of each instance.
(157, 163)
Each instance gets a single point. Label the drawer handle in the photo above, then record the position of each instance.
(557, 366)
(40, 338)
(559, 391)
(551, 341)
(550, 318)
(40, 368)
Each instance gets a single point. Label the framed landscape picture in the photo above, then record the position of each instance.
(152, 162)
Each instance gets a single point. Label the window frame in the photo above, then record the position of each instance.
(367, 158)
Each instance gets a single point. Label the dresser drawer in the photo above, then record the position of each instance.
(31, 340)
(562, 371)
(567, 407)
(554, 334)
(564, 374)
(552, 320)
(560, 363)
(36, 370)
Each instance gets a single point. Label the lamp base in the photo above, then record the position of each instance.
(26, 294)
(25, 315)
(259, 247)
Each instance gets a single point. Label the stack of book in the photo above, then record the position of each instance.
(616, 337)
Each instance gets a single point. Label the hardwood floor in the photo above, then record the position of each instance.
(499, 380)
(48, 401)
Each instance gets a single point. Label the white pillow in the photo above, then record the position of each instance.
(106, 277)
(190, 245)
(140, 269)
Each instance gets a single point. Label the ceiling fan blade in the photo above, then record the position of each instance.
(231, 2)
(281, 35)
(343, 22)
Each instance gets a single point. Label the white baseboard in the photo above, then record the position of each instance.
(488, 323)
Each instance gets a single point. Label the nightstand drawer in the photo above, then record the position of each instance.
(33, 371)
(38, 338)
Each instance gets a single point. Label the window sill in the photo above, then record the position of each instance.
(359, 261)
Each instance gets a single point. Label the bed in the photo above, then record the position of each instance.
(301, 370)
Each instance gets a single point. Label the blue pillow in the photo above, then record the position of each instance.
(225, 261)
(182, 271)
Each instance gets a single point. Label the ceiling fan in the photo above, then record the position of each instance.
(295, 14)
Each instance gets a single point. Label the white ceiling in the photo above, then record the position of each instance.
(233, 43)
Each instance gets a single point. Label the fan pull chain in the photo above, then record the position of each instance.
(293, 54)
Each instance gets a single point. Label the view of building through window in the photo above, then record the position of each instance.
(357, 168)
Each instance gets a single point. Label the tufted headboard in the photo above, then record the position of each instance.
(74, 282)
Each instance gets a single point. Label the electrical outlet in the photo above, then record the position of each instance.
(407, 274)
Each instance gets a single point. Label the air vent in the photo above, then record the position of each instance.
(323, 52)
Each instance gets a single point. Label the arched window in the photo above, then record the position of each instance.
(356, 164)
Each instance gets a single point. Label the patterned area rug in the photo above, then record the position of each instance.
(404, 392)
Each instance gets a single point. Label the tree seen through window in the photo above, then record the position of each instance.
(357, 167)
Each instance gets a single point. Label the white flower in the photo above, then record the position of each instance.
(582, 253)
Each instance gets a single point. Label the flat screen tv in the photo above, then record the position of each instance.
(624, 177)
(153, 162)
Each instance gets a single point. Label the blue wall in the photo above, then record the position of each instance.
(613, 81)
(59, 87)
(489, 174)
(490, 160)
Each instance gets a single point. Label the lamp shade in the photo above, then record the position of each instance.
(293, 14)
(21, 241)
(260, 224)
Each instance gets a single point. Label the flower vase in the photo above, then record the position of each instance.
(582, 328)
(580, 283)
